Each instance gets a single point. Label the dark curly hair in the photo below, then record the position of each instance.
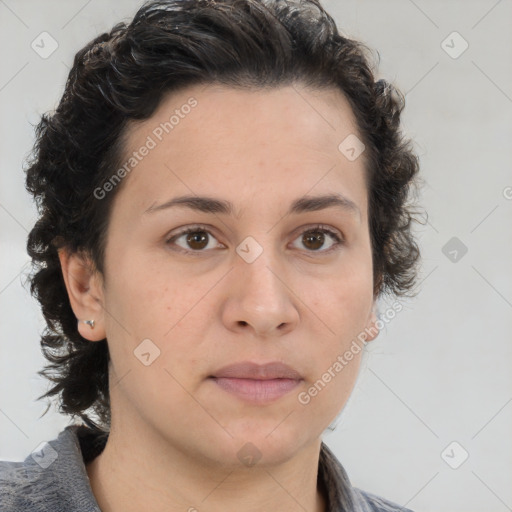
(122, 75)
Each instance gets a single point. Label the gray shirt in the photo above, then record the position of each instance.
(54, 479)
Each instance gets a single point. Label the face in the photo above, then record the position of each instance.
(257, 283)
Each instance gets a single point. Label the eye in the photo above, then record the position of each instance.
(314, 238)
(198, 238)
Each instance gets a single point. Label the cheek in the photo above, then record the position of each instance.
(144, 298)
(323, 399)
(165, 309)
(342, 313)
(344, 301)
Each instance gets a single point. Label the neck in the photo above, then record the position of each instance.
(131, 465)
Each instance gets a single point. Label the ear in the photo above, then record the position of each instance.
(371, 331)
(85, 291)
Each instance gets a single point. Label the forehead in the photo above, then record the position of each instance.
(207, 136)
(214, 114)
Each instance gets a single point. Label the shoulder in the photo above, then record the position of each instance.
(51, 479)
(369, 502)
(22, 487)
(342, 495)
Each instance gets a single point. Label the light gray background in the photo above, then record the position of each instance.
(440, 371)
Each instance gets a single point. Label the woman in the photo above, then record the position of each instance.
(223, 198)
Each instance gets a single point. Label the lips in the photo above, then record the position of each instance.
(258, 384)
(248, 370)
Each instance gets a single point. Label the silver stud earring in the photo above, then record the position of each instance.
(89, 322)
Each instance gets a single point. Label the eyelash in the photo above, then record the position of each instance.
(318, 228)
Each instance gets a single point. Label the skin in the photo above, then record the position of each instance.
(174, 432)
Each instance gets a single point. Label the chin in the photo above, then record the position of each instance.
(266, 443)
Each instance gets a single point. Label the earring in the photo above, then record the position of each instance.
(89, 322)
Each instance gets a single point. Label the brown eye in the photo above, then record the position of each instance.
(313, 241)
(193, 240)
(197, 240)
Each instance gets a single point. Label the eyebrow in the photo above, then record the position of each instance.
(301, 205)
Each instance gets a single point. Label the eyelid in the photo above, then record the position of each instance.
(187, 229)
(336, 235)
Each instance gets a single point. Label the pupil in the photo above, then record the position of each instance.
(319, 238)
(197, 237)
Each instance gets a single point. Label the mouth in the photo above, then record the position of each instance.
(258, 384)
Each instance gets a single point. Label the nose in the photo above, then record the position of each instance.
(260, 298)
